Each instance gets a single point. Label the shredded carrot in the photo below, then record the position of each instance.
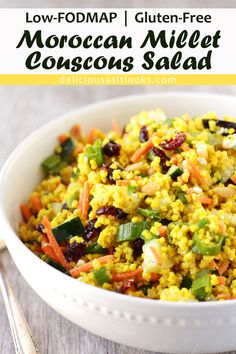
(214, 264)
(206, 200)
(155, 277)
(62, 138)
(222, 228)
(225, 297)
(36, 203)
(163, 231)
(79, 148)
(53, 242)
(141, 151)
(37, 250)
(76, 131)
(122, 182)
(47, 249)
(26, 212)
(194, 172)
(84, 201)
(115, 126)
(174, 159)
(224, 266)
(127, 275)
(185, 147)
(80, 201)
(233, 179)
(221, 280)
(87, 267)
(157, 255)
(91, 136)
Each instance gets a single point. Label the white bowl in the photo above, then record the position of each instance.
(142, 323)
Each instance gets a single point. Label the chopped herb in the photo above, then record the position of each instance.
(147, 235)
(212, 249)
(95, 152)
(131, 230)
(131, 189)
(201, 286)
(202, 222)
(181, 195)
(168, 122)
(101, 276)
(148, 213)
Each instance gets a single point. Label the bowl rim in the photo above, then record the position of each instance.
(127, 299)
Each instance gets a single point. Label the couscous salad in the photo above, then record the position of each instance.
(146, 210)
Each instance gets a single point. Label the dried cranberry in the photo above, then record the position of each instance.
(91, 232)
(143, 135)
(165, 222)
(64, 206)
(40, 228)
(111, 210)
(137, 246)
(163, 157)
(173, 143)
(109, 173)
(74, 251)
(127, 285)
(111, 149)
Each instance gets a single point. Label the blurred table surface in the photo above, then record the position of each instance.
(24, 109)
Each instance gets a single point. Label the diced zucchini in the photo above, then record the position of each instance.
(145, 288)
(67, 148)
(56, 265)
(51, 162)
(174, 172)
(57, 169)
(68, 229)
(96, 248)
(131, 230)
(186, 283)
(219, 123)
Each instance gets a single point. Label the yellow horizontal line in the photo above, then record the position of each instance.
(117, 79)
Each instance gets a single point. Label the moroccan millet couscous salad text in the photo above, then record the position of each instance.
(147, 211)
